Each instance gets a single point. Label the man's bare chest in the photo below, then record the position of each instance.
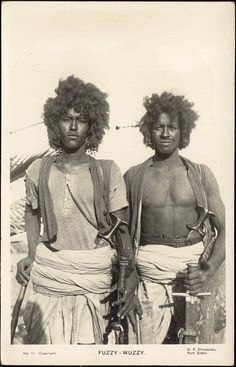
(164, 188)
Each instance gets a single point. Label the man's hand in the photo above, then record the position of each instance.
(131, 306)
(23, 270)
(128, 302)
(136, 309)
(195, 282)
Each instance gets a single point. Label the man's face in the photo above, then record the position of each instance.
(165, 135)
(73, 130)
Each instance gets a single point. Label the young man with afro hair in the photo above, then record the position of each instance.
(75, 195)
(170, 199)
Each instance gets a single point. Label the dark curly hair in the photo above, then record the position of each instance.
(175, 106)
(74, 93)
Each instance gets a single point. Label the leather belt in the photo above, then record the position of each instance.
(146, 239)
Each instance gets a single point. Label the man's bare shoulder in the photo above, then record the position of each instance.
(206, 170)
(208, 176)
(209, 180)
(134, 169)
(131, 170)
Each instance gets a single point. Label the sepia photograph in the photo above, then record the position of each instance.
(117, 183)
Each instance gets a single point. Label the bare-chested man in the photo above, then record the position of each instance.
(167, 193)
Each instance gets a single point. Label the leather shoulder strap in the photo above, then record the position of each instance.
(202, 178)
(104, 169)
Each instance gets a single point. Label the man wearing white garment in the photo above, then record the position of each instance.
(168, 194)
(74, 194)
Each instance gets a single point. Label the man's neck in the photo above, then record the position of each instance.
(74, 157)
(171, 161)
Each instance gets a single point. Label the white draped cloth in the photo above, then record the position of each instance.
(69, 285)
(157, 266)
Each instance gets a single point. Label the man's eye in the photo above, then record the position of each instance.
(173, 127)
(66, 119)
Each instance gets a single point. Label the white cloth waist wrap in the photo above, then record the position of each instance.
(157, 267)
(69, 286)
(69, 272)
(160, 263)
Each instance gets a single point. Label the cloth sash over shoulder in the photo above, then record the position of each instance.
(100, 171)
(135, 178)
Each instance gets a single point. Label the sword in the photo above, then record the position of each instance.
(16, 311)
(123, 262)
(138, 331)
(189, 334)
(137, 320)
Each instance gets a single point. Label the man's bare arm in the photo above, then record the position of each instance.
(217, 207)
(126, 240)
(32, 224)
(195, 281)
(129, 300)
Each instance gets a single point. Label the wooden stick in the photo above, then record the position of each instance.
(138, 333)
(16, 311)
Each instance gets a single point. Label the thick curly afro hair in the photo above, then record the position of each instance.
(74, 93)
(174, 106)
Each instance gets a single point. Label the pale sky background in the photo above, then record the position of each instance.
(129, 50)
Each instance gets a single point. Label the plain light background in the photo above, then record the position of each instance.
(129, 50)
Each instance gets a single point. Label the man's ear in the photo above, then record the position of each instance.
(184, 140)
(146, 134)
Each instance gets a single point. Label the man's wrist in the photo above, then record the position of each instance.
(129, 264)
(208, 268)
(31, 256)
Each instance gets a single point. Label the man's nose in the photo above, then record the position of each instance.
(165, 132)
(73, 124)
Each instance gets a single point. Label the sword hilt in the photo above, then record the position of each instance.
(118, 329)
(190, 298)
(182, 334)
(117, 224)
(203, 215)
